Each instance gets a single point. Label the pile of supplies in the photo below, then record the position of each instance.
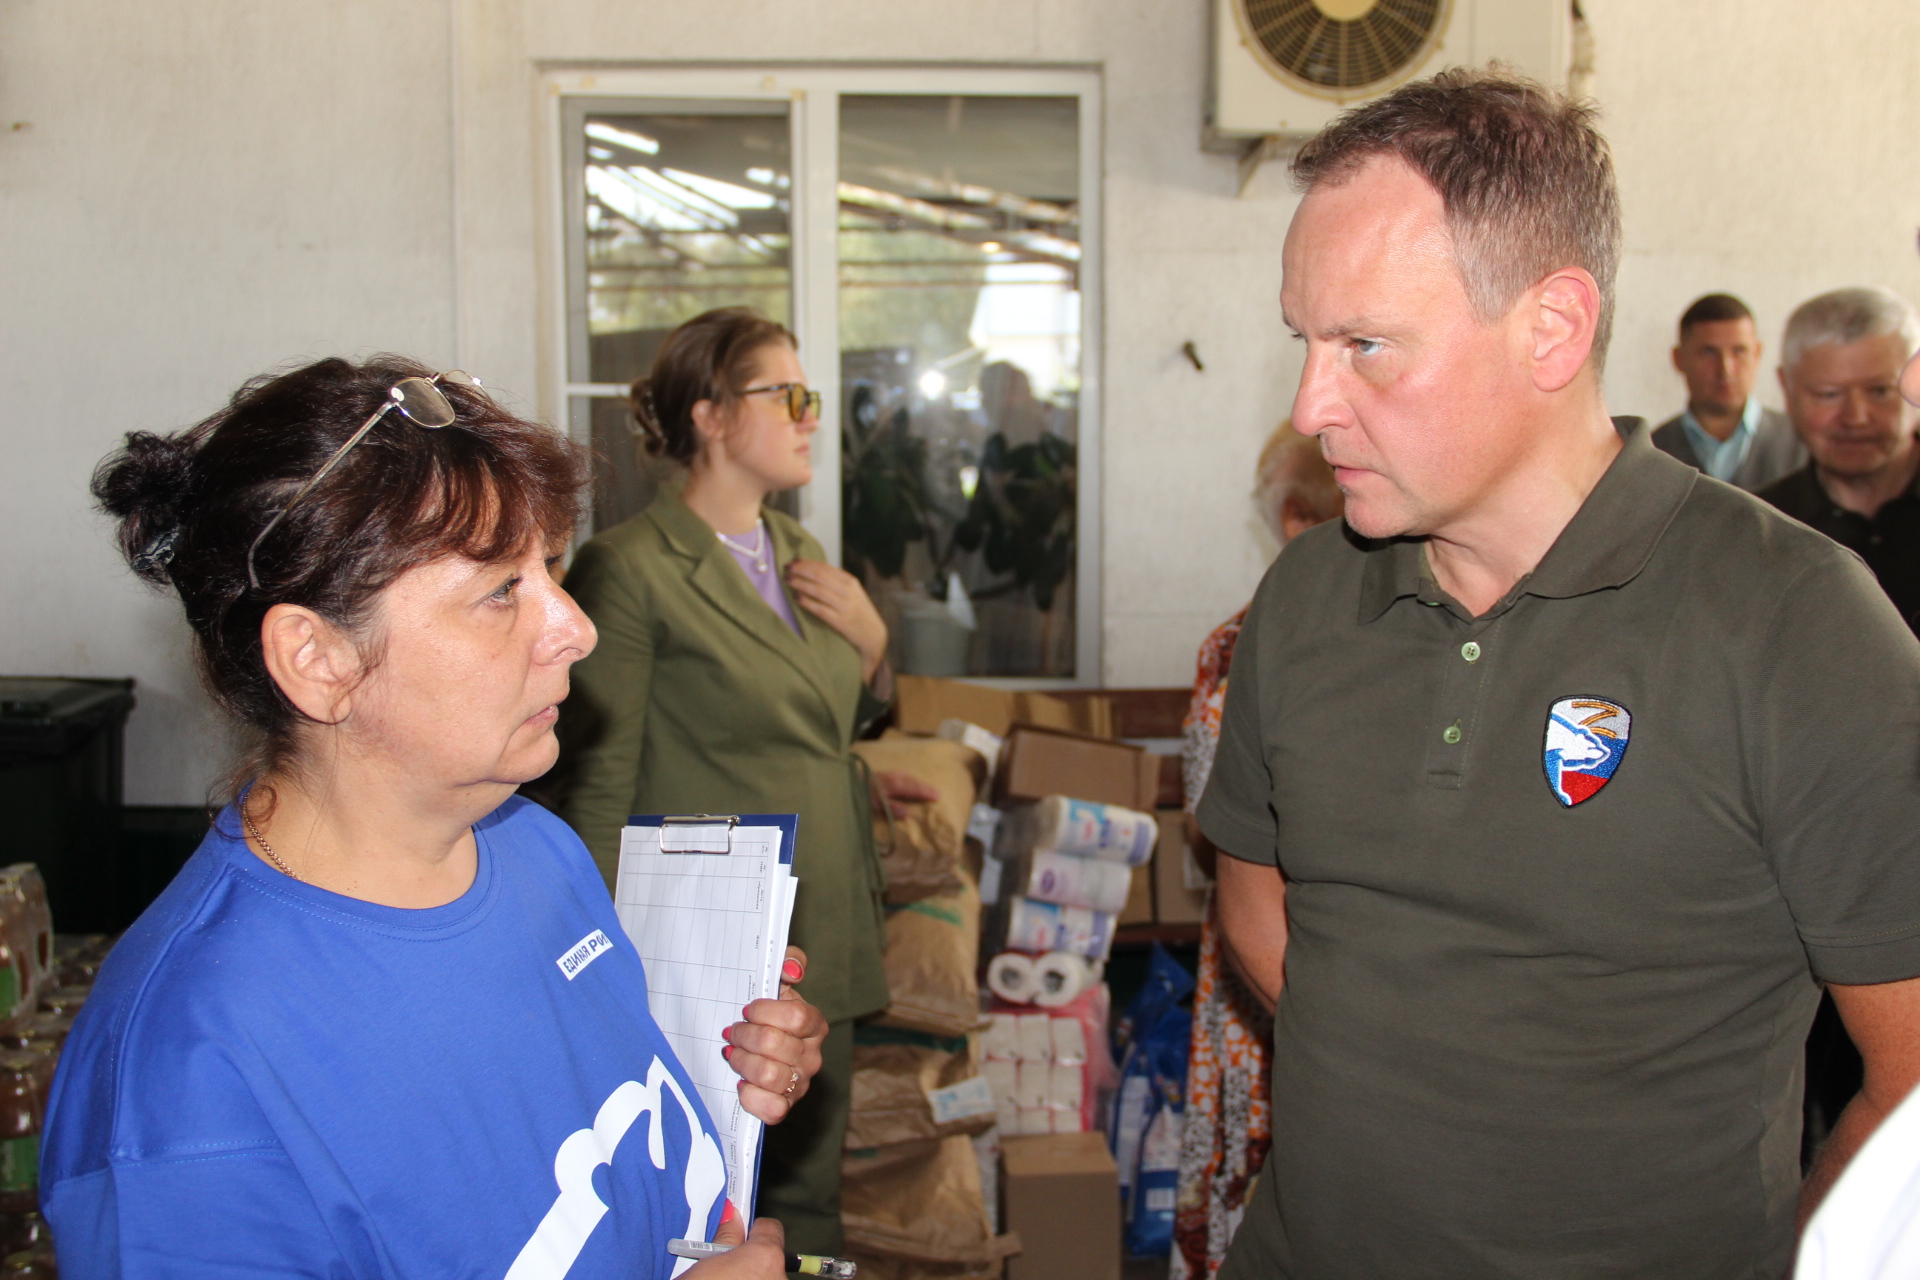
(987, 1088)
(921, 1161)
(43, 983)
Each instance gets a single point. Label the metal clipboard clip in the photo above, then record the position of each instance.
(698, 833)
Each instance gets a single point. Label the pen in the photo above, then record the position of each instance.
(807, 1264)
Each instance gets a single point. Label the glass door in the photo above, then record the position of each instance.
(681, 208)
(960, 258)
(932, 237)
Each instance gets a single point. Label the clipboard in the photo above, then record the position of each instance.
(706, 900)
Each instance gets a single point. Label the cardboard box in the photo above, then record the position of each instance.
(1173, 783)
(1063, 1200)
(923, 702)
(1139, 908)
(1038, 762)
(1173, 901)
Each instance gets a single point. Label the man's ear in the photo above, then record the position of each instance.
(1677, 366)
(1565, 317)
(315, 664)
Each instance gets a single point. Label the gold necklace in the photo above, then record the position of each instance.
(261, 840)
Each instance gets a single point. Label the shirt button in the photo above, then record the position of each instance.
(1470, 651)
(1452, 735)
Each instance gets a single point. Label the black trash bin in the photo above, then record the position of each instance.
(61, 767)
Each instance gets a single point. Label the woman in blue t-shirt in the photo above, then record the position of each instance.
(340, 1043)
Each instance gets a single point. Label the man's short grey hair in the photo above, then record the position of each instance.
(1848, 315)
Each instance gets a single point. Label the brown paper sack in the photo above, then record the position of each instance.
(890, 1087)
(919, 1203)
(929, 843)
(932, 958)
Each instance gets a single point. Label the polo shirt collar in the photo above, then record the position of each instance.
(1606, 544)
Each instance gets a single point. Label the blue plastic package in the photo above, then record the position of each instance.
(1149, 1108)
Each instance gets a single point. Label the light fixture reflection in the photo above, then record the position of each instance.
(932, 383)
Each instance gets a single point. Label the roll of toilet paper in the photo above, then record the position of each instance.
(1046, 926)
(1074, 881)
(1089, 830)
(1036, 1037)
(1013, 977)
(1059, 978)
(1001, 1039)
(1069, 1041)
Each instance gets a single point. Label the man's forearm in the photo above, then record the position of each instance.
(1883, 1020)
(1251, 900)
(1856, 1124)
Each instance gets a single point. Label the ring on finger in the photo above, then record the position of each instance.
(793, 1083)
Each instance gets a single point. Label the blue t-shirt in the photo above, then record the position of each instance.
(274, 1080)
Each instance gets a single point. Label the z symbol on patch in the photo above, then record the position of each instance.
(1586, 740)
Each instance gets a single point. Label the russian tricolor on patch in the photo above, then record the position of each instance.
(1586, 740)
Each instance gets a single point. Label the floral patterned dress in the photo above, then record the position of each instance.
(1228, 1121)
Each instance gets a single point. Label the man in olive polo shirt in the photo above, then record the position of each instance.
(1583, 770)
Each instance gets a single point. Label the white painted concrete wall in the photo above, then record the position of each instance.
(201, 192)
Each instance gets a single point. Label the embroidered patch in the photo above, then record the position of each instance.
(1586, 740)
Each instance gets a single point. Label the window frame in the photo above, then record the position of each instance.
(812, 95)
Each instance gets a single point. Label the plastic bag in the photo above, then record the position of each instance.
(1151, 1104)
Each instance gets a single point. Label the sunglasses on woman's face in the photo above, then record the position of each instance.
(801, 403)
(419, 402)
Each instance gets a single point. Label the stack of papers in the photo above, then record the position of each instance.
(707, 906)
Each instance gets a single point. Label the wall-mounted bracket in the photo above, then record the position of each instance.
(1252, 152)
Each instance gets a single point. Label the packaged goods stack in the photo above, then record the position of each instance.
(921, 1158)
(1061, 841)
(43, 983)
(1070, 864)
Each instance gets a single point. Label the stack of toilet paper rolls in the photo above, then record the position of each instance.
(1075, 860)
(1036, 1065)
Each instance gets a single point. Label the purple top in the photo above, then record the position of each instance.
(766, 581)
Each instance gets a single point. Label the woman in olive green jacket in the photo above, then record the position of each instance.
(710, 692)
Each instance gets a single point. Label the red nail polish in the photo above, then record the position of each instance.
(791, 970)
(729, 1213)
(726, 1033)
(726, 1051)
(746, 1011)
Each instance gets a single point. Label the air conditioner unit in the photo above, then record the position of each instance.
(1282, 69)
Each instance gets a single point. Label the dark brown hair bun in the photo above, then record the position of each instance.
(190, 506)
(710, 357)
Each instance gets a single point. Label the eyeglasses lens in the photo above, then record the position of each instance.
(422, 402)
(801, 402)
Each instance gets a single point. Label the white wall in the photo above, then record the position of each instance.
(205, 191)
(1768, 148)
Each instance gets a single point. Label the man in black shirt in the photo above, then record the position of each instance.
(1840, 370)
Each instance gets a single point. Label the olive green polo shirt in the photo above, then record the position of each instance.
(1562, 881)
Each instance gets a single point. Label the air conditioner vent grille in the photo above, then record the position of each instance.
(1345, 47)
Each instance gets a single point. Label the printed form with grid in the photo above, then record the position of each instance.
(707, 904)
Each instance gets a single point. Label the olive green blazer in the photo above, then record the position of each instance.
(700, 699)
